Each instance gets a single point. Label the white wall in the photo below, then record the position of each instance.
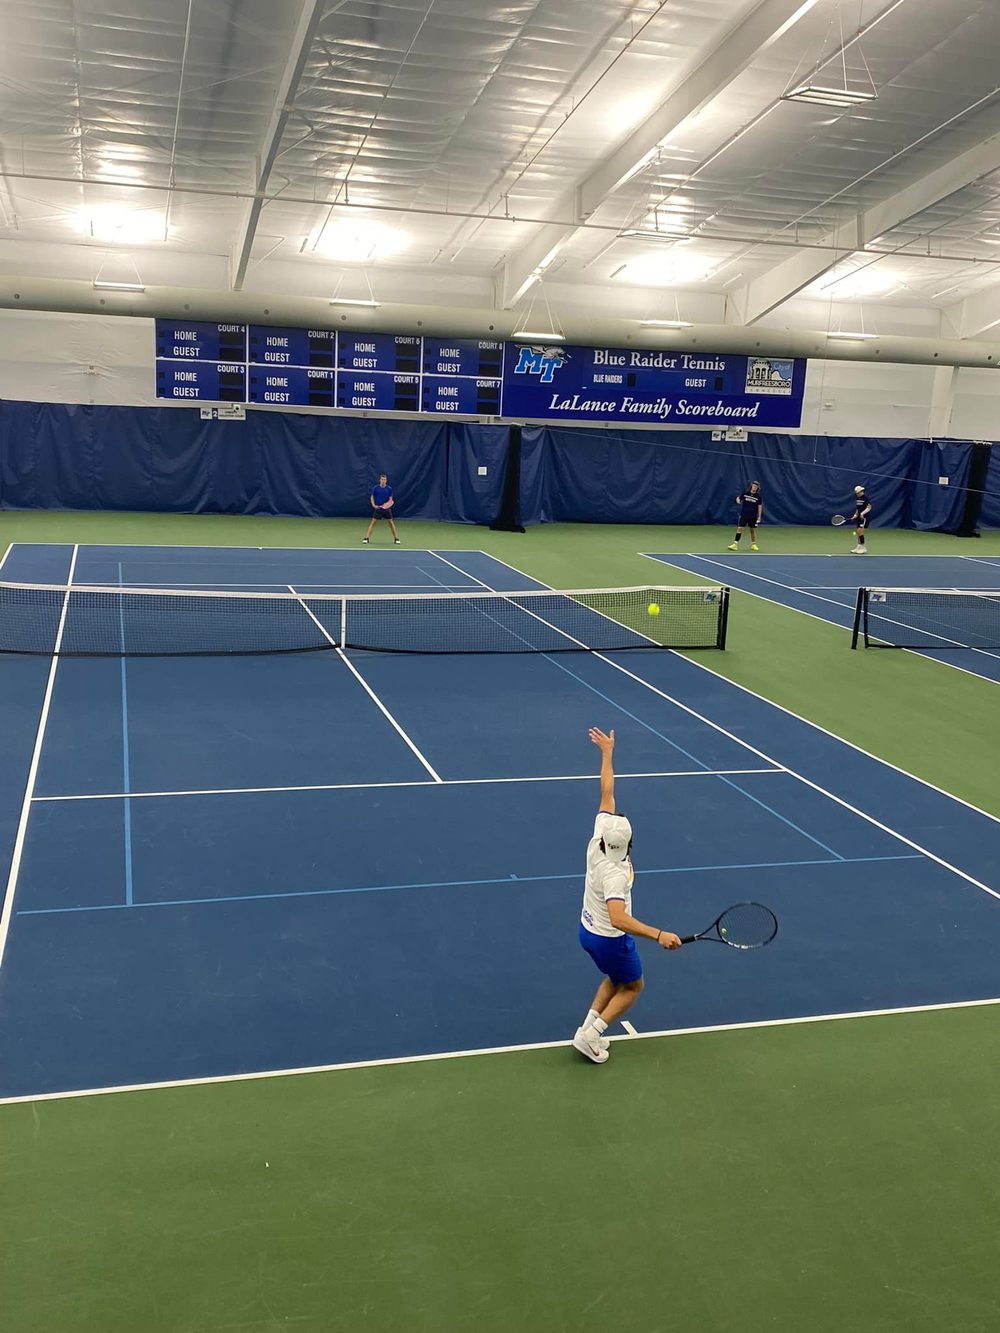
(857, 398)
(49, 357)
(54, 358)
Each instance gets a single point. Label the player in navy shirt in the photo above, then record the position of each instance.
(862, 517)
(751, 504)
(382, 503)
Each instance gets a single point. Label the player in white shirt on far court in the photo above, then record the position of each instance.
(606, 922)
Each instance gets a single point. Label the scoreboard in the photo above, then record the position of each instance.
(386, 372)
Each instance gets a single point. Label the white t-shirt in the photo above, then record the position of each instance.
(605, 880)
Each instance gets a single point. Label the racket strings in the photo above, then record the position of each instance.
(747, 925)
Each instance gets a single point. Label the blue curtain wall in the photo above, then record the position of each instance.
(57, 456)
(680, 477)
(990, 517)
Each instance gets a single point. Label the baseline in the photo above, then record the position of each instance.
(256, 1075)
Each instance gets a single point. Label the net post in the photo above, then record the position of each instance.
(859, 610)
(723, 619)
(343, 622)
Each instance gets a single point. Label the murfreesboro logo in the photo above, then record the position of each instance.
(769, 376)
(540, 361)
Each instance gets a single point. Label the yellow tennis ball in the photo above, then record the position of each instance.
(653, 609)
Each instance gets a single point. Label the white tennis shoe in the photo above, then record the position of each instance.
(592, 1049)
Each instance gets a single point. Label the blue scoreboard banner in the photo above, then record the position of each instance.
(384, 372)
(660, 388)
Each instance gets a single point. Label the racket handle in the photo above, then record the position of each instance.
(688, 939)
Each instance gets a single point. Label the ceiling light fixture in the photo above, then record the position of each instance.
(840, 98)
(653, 234)
(121, 226)
(104, 286)
(848, 335)
(355, 300)
(667, 324)
(525, 335)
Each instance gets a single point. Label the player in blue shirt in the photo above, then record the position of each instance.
(751, 504)
(862, 517)
(382, 503)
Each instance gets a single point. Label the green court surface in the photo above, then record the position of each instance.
(822, 1176)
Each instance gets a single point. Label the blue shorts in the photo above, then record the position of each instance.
(383, 513)
(615, 955)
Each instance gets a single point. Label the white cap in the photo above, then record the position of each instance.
(617, 834)
(858, 490)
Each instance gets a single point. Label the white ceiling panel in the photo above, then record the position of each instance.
(420, 144)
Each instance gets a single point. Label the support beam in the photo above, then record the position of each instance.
(759, 30)
(942, 402)
(974, 316)
(759, 297)
(302, 40)
(769, 21)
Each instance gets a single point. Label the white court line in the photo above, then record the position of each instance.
(368, 689)
(420, 782)
(3, 559)
(761, 597)
(707, 1030)
(36, 754)
(815, 786)
(200, 546)
(629, 1028)
(182, 584)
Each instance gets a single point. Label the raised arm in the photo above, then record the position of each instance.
(606, 745)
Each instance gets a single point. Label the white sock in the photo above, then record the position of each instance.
(599, 1026)
(592, 1015)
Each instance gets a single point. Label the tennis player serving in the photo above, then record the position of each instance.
(606, 923)
(751, 504)
(382, 503)
(862, 517)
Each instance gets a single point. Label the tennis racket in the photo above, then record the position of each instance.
(743, 926)
(838, 520)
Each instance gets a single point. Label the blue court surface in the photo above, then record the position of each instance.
(222, 866)
(826, 586)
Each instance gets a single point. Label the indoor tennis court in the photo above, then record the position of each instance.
(367, 865)
(397, 396)
(240, 847)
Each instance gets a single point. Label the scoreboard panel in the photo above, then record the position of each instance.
(195, 340)
(291, 385)
(463, 356)
(214, 381)
(469, 397)
(377, 391)
(387, 353)
(386, 372)
(291, 347)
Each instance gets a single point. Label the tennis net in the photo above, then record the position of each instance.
(83, 621)
(928, 618)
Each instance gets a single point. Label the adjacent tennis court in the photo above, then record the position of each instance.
(237, 864)
(962, 632)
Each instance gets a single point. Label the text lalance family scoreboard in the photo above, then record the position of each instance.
(386, 372)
